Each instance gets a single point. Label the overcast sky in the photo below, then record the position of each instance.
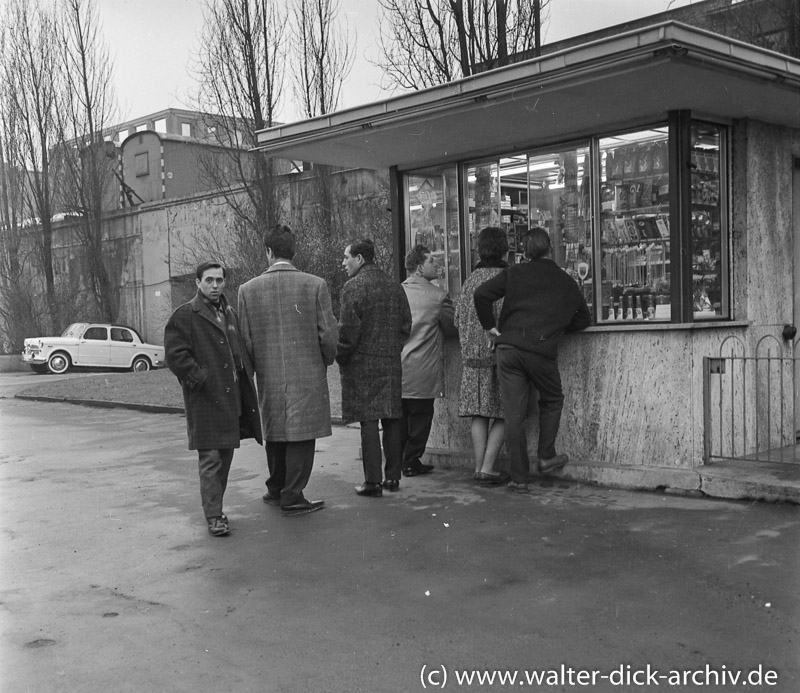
(151, 42)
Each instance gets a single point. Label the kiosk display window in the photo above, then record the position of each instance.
(638, 218)
(634, 224)
(432, 220)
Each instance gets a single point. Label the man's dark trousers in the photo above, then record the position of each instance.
(392, 449)
(417, 422)
(517, 371)
(214, 467)
(290, 465)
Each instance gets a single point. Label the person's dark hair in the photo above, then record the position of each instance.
(365, 248)
(415, 257)
(492, 243)
(281, 241)
(203, 267)
(537, 244)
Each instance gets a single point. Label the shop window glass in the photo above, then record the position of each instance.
(432, 220)
(634, 227)
(709, 296)
(483, 203)
(559, 195)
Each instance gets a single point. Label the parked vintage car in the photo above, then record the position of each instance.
(94, 345)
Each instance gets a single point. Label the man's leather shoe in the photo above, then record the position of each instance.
(418, 470)
(271, 498)
(392, 485)
(551, 465)
(302, 508)
(369, 489)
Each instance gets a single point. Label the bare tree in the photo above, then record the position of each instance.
(32, 86)
(429, 42)
(772, 24)
(88, 160)
(324, 55)
(239, 70)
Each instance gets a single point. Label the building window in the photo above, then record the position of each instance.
(140, 128)
(160, 125)
(638, 218)
(122, 135)
(186, 129)
(142, 164)
(432, 219)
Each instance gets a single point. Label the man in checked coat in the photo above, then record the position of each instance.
(204, 350)
(290, 333)
(374, 323)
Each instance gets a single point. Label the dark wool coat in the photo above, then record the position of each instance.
(289, 332)
(541, 303)
(374, 323)
(215, 375)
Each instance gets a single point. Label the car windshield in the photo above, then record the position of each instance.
(73, 330)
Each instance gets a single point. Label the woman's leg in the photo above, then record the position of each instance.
(494, 443)
(479, 430)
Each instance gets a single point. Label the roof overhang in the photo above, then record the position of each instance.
(633, 77)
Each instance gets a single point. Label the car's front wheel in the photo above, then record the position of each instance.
(59, 363)
(140, 364)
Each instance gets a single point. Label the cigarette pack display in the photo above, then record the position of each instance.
(622, 232)
(632, 230)
(647, 228)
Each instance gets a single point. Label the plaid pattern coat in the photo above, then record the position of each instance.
(215, 375)
(289, 332)
(374, 323)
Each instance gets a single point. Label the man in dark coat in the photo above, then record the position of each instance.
(374, 323)
(289, 332)
(204, 350)
(540, 302)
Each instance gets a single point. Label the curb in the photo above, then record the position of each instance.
(105, 404)
(730, 482)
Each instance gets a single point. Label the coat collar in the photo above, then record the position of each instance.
(205, 311)
(281, 265)
(416, 279)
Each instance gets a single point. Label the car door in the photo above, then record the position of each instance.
(122, 346)
(93, 347)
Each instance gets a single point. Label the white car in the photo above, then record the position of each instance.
(92, 344)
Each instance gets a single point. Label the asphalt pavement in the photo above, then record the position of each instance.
(109, 580)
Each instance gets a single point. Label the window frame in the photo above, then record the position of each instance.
(679, 128)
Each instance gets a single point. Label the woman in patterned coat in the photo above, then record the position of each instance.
(480, 390)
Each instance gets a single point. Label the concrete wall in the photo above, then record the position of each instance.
(635, 397)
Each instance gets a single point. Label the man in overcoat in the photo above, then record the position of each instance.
(432, 319)
(374, 323)
(290, 334)
(204, 350)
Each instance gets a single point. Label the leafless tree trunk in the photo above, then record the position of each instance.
(429, 42)
(324, 55)
(89, 161)
(239, 70)
(32, 85)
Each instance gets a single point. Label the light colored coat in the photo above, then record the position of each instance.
(290, 334)
(431, 320)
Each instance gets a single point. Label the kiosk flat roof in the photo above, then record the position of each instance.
(596, 87)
